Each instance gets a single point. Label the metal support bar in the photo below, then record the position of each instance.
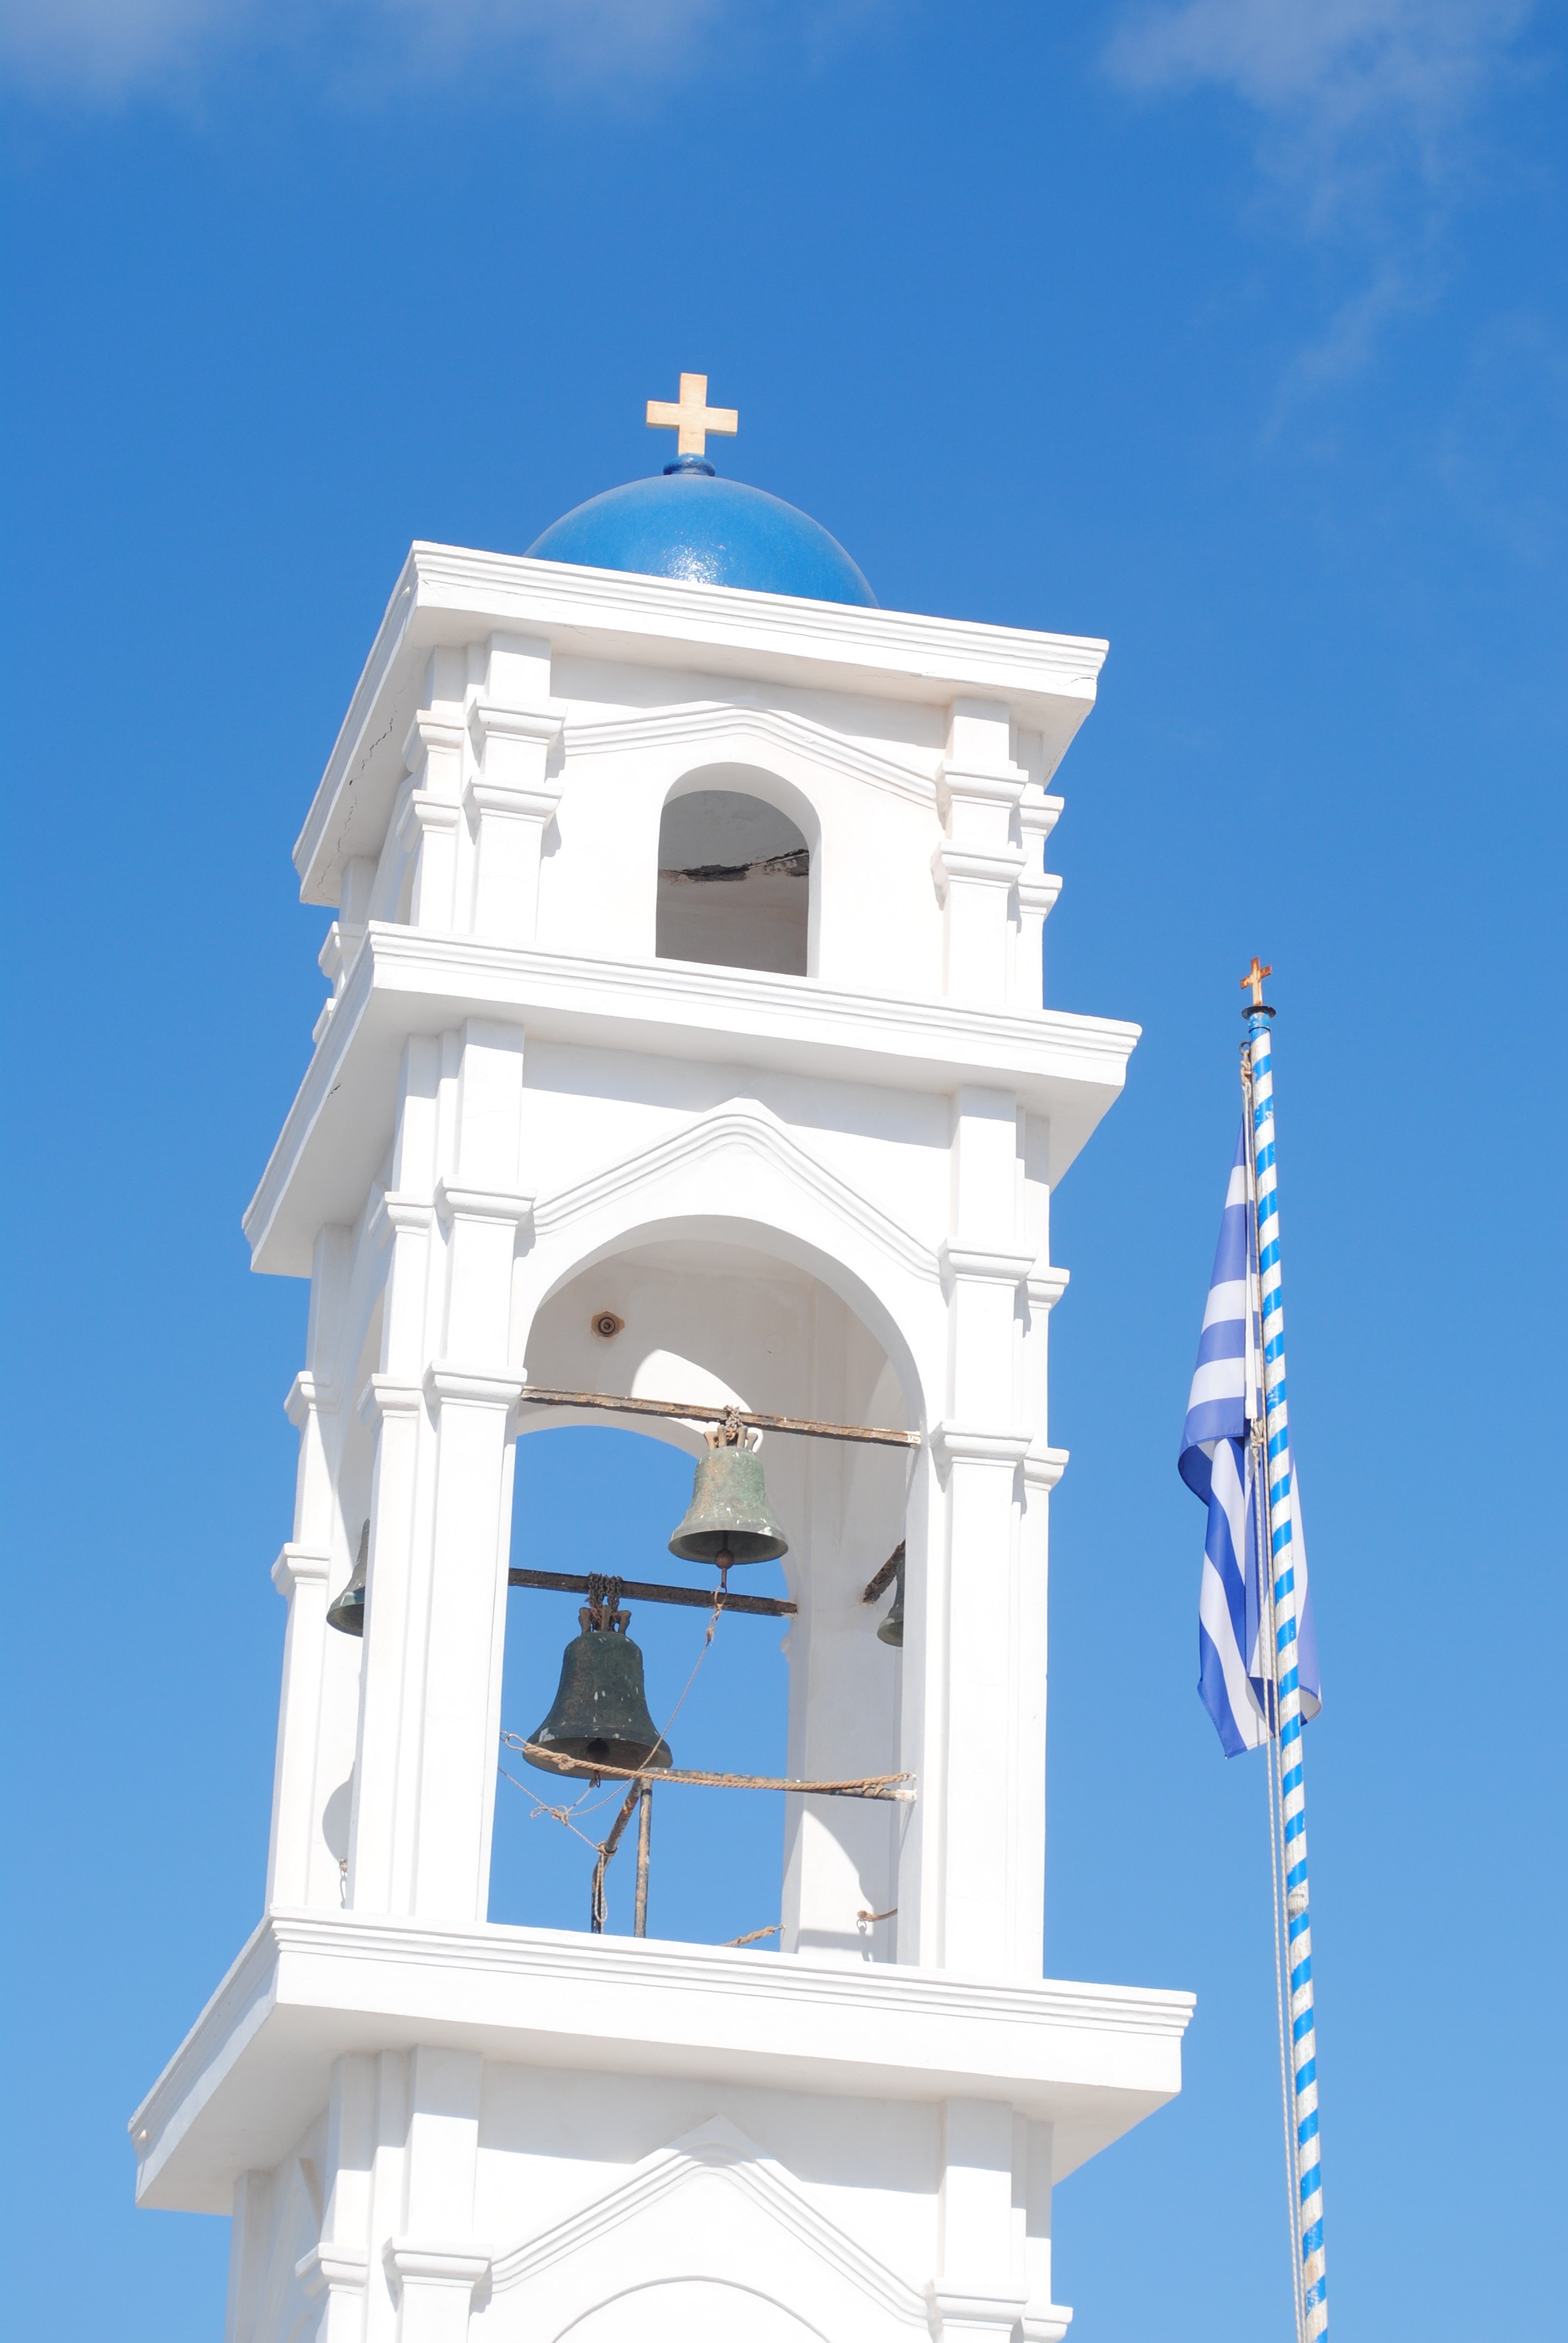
(641, 1590)
(691, 1413)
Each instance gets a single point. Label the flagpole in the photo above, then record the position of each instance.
(1312, 2280)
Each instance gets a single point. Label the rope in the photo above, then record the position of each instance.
(868, 1785)
(756, 1935)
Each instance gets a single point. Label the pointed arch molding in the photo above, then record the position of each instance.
(652, 1173)
(707, 726)
(823, 2276)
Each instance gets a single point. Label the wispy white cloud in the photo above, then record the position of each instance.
(1367, 119)
(105, 49)
(1346, 93)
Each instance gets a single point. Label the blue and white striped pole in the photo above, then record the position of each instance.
(1287, 1683)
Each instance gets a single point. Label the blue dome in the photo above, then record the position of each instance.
(685, 523)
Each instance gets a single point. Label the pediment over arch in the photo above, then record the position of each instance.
(702, 730)
(738, 1174)
(749, 1131)
(708, 2225)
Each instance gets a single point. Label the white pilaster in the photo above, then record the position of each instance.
(315, 1729)
(1037, 890)
(337, 2270)
(430, 816)
(515, 728)
(434, 2263)
(980, 1682)
(1043, 2321)
(978, 864)
(979, 2290)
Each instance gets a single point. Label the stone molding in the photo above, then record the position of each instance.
(1043, 1467)
(399, 1215)
(714, 2147)
(959, 1443)
(300, 1565)
(999, 867)
(1045, 2322)
(1048, 681)
(712, 1134)
(337, 2270)
(496, 1205)
(490, 1986)
(710, 723)
(953, 2312)
(449, 1386)
(388, 1395)
(429, 731)
(978, 1265)
(436, 2265)
(305, 1392)
(1065, 1068)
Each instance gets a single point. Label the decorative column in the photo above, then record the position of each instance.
(1042, 1468)
(317, 1681)
(976, 1673)
(385, 1774)
(433, 2264)
(978, 865)
(430, 815)
(979, 2291)
(434, 1611)
(512, 799)
(1037, 890)
(339, 2267)
(345, 936)
(1043, 2321)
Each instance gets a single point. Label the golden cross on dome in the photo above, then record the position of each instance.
(691, 416)
(1255, 977)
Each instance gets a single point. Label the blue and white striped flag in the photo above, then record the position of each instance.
(1216, 1463)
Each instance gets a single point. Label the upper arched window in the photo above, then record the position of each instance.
(734, 883)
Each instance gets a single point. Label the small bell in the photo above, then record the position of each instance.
(728, 1519)
(347, 1611)
(891, 1630)
(599, 1715)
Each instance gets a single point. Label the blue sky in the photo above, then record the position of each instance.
(1232, 330)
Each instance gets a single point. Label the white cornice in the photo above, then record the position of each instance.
(311, 1985)
(447, 595)
(406, 980)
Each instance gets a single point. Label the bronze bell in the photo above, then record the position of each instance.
(728, 1519)
(891, 1630)
(347, 1611)
(599, 1715)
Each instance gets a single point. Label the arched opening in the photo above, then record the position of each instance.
(734, 883)
(813, 1694)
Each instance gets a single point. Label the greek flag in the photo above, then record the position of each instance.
(1216, 1463)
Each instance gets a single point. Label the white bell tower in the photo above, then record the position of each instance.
(686, 968)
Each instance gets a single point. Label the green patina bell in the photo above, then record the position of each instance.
(599, 1715)
(347, 1611)
(728, 1519)
(891, 1630)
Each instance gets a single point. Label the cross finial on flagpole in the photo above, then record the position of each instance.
(691, 416)
(1255, 977)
